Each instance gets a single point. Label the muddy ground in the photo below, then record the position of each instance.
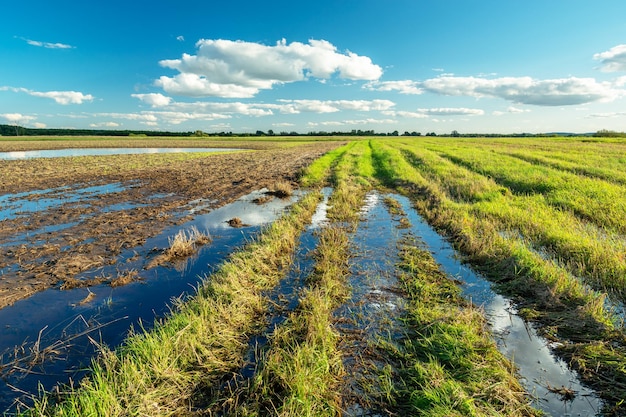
(52, 246)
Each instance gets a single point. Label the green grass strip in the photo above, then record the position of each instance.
(302, 369)
(451, 366)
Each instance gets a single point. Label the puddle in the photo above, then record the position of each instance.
(112, 311)
(59, 153)
(284, 298)
(375, 305)
(23, 204)
(538, 367)
(54, 317)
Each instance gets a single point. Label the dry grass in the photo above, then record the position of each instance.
(282, 189)
(184, 244)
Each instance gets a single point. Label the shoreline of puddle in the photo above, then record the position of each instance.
(537, 365)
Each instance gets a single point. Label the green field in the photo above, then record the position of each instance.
(543, 218)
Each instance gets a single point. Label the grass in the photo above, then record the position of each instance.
(301, 371)
(158, 372)
(560, 265)
(518, 210)
(451, 364)
(182, 245)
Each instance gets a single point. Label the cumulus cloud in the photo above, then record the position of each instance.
(64, 97)
(526, 90)
(441, 111)
(153, 99)
(331, 106)
(61, 97)
(152, 118)
(612, 60)
(510, 110)
(266, 109)
(608, 115)
(180, 38)
(451, 111)
(353, 122)
(48, 45)
(104, 124)
(405, 114)
(238, 69)
(17, 118)
(521, 90)
(402, 86)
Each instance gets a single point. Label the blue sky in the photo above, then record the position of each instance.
(426, 66)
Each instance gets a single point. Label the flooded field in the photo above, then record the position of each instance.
(342, 300)
(52, 336)
(60, 153)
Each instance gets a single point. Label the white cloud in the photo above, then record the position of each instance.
(451, 111)
(353, 122)
(153, 99)
(48, 45)
(64, 97)
(525, 90)
(152, 118)
(522, 90)
(266, 109)
(441, 111)
(225, 68)
(510, 110)
(61, 97)
(403, 86)
(330, 106)
(612, 60)
(405, 114)
(609, 115)
(104, 124)
(39, 125)
(17, 118)
(180, 38)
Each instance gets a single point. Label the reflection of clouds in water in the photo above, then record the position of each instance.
(15, 155)
(321, 212)
(250, 213)
(57, 153)
(371, 200)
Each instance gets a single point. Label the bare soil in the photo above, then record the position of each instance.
(158, 190)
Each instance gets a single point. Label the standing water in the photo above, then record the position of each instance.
(374, 304)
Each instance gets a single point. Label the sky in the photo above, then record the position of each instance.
(471, 66)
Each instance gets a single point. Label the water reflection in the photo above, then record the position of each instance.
(538, 366)
(51, 316)
(58, 153)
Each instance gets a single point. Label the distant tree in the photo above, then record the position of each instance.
(604, 133)
(455, 134)
(270, 132)
(394, 133)
(260, 133)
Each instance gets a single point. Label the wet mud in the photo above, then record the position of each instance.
(59, 218)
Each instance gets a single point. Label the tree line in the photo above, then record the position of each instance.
(14, 130)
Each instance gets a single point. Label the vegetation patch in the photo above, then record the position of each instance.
(184, 244)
